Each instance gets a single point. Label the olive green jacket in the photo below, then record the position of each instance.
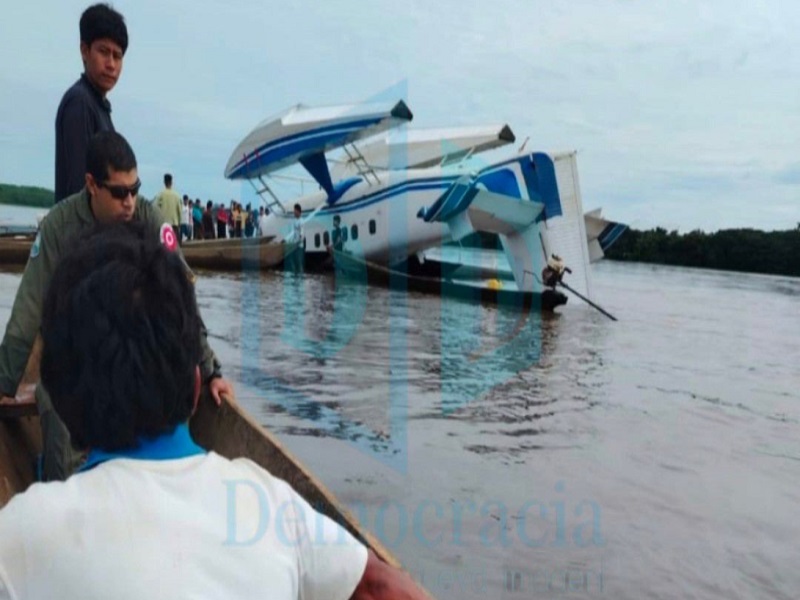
(62, 227)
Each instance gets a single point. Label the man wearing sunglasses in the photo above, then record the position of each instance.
(109, 196)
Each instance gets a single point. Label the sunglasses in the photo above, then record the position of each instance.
(120, 192)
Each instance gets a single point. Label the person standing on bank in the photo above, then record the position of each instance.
(109, 196)
(186, 219)
(84, 109)
(169, 203)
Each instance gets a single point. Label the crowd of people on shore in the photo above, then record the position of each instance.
(192, 220)
(212, 221)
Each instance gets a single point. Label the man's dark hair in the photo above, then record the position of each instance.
(101, 21)
(168, 179)
(108, 151)
(298, 207)
(121, 334)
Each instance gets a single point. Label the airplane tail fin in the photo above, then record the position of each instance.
(534, 204)
(601, 233)
(466, 208)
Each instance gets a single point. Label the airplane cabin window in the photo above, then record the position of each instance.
(372, 227)
(316, 240)
(326, 238)
(354, 232)
(344, 234)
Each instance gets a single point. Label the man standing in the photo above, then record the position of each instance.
(294, 261)
(186, 219)
(222, 222)
(197, 220)
(169, 203)
(109, 196)
(84, 109)
(208, 221)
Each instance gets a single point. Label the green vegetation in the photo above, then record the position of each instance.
(24, 195)
(750, 250)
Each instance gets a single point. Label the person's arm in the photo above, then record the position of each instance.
(77, 127)
(382, 581)
(26, 314)
(210, 367)
(177, 212)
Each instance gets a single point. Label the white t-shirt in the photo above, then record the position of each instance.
(196, 527)
(263, 226)
(297, 230)
(186, 217)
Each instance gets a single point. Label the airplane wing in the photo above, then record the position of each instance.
(302, 134)
(421, 148)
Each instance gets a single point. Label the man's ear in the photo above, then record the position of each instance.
(91, 185)
(197, 385)
(84, 52)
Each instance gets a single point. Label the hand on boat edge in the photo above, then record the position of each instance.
(219, 386)
(26, 394)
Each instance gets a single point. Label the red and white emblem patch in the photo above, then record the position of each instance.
(168, 237)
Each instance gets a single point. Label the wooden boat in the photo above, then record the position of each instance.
(234, 254)
(497, 292)
(227, 430)
(15, 249)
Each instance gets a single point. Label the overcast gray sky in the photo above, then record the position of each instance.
(684, 114)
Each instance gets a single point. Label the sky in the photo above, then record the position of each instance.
(684, 114)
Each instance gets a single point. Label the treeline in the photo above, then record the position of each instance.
(24, 195)
(749, 250)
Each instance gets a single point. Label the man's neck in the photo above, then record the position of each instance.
(100, 92)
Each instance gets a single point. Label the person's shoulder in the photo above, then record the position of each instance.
(146, 210)
(76, 93)
(62, 213)
(38, 507)
(248, 473)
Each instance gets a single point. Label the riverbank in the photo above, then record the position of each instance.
(742, 250)
(25, 195)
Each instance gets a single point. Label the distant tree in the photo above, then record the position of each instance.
(751, 250)
(23, 195)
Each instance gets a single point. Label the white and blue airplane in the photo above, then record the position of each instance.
(405, 193)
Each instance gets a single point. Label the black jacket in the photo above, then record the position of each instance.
(82, 113)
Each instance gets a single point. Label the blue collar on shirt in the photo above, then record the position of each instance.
(178, 444)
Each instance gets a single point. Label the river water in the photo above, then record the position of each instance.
(507, 455)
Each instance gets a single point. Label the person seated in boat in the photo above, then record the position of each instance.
(110, 195)
(151, 514)
(554, 271)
